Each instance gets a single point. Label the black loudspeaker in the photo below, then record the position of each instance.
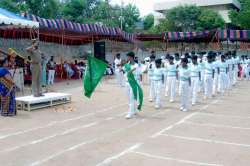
(99, 50)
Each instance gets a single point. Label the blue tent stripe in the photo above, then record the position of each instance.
(241, 34)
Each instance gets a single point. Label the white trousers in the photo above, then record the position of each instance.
(245, 72)
(171, 86)
(222, 77)
(71, 72)
(178, 82)
(119, 77)
(51, 76)
(215, 81)
(208, 85)
(184, 94)
(194, 88)
(235, 76)
(202, 84)
(109, 71)
(158, 87)
(80, 73)
(131, 98)
(152, 88)
(165, 78)
(230, 78)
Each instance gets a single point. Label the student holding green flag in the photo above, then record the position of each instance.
(132, 84)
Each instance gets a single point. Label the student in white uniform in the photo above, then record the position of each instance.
(222, 71)
(215, 81)
(209, 76)
(248, 68)
(151, 67)
(172, 77)
(118, 67)
(243, 63)
(185, 84)
(218, 56)
(236, 68)
(231, 69)
(165, 65)
(201, 61)
(177, 61)
(158, 82)
(195, 78)
(129, 91)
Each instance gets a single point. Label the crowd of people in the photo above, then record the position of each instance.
(188, 75)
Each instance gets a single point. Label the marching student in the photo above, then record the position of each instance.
(209, 76)
(201, 62)
(185, 84)
(231, 69)
(129, 91)
(247, 67)
(218, 56)
(165, 65)
(118, 67)
(195, 78)
(172, 77)
(215, 81)
(222, 71)
(151, 67)
(236, 68)
(177, 61)
(158, 81)
(227, 74)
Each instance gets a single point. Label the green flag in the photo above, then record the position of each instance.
(134, 86)
(94, 73)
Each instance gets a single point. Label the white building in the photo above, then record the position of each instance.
(222, 6)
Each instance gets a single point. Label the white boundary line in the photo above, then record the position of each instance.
(173, 159)
(99, 138)
(182, 120)
(205, 140)
(212, 125)
(224, 116)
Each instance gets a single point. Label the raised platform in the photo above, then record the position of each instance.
(28, 103)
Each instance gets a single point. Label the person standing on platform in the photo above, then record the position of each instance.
(44, 62)
(195, 78)
(51, 67)
(158, 82)
(185, 84)
(209, 76)
(236, 68)
(118, 64)
(151, 68)
(222, 71)
(36, 68)
(172, 77)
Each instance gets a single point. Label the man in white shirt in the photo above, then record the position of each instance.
(222, 71)
(177, 61)
(151, 67)
(130, 94)
(195, 78)
(172, 77)
(236, 67)
(158, 82)
(209, 76)
(119, 75)
(201, 61)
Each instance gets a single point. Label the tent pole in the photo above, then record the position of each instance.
(227, 44)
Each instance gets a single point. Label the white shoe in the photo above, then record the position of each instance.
(157, 107)
(204, 98)
(150, 100)
(171, 101)
(184, 110)
(128, 116)
(166, 95)
(193, 104)
(181, 108)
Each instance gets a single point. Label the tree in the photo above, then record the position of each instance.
(148, 21)
(241, 18)
(209, 20)
(131, 14)
(184, 16)
(41, 8)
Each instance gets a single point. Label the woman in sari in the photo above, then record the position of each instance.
(8, 101)
(44, 62)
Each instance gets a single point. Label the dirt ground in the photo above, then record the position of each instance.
(214, 132)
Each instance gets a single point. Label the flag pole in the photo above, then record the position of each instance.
(92, 46)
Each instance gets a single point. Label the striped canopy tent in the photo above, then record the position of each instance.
(234, 35)
(192, 37)
(75, 33)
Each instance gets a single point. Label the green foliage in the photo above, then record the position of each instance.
(74, 9)
(148, 21)
(241, 18)
(209, 20)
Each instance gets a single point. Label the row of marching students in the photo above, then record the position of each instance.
(192, 74)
